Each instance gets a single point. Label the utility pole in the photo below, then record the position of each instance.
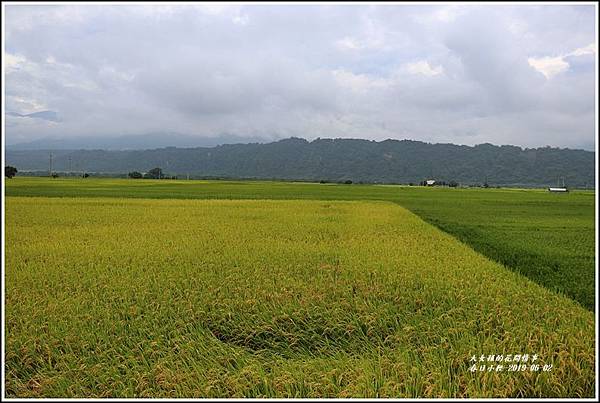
(69, 166)
(50, 164)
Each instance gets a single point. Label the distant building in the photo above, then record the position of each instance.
(430, 182)
(559, 190)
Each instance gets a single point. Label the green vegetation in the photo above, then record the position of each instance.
(336, 160)
(548, 238)
(10, 172)
(123, 297)
(154, 173)
(135, 175)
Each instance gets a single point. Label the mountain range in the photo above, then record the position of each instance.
(389, 161)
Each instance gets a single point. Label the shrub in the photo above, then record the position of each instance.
(135, 175)
(9, 171)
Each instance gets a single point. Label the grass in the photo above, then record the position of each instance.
(122, 297)
(548, 238)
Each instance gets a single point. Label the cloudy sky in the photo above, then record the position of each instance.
(465, 74)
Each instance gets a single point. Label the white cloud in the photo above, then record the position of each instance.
(374, 41)
(423, 67)
(28, 105)
(372, 37)
(445, 14)
(551, 66)
(588, 50)
(12, 62)
(348, 43)
(449, 13)
(213, 8)
(359, 82)
(517, 27)
(427, 72)
(241, 19)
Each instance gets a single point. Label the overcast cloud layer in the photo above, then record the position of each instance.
(522, 75)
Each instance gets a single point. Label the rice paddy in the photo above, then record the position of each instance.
(548, 238)
(158, 293)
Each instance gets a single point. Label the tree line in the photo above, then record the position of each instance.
(154, 173)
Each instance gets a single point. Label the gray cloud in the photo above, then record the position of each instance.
(521, 75)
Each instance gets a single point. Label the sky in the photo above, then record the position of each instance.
(442, 73)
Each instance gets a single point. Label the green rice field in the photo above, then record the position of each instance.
(546, 237)
(125, 288)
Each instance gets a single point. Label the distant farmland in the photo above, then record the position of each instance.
(118, 288)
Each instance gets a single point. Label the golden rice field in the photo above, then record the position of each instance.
(110, 297)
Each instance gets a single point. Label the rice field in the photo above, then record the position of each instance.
(137, 296)
(548, 238)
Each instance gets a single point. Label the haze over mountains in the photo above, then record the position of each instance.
(389, 161)
(135, 142)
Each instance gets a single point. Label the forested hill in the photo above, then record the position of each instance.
(389, 161)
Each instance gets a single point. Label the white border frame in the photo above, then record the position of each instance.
(3, 396)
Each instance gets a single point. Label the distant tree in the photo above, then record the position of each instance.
(453, 184)
(55, 175)
(485, 185)
(348, 182)
(154, 173)
(85, 175)
(9, 171)
(135, 175)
